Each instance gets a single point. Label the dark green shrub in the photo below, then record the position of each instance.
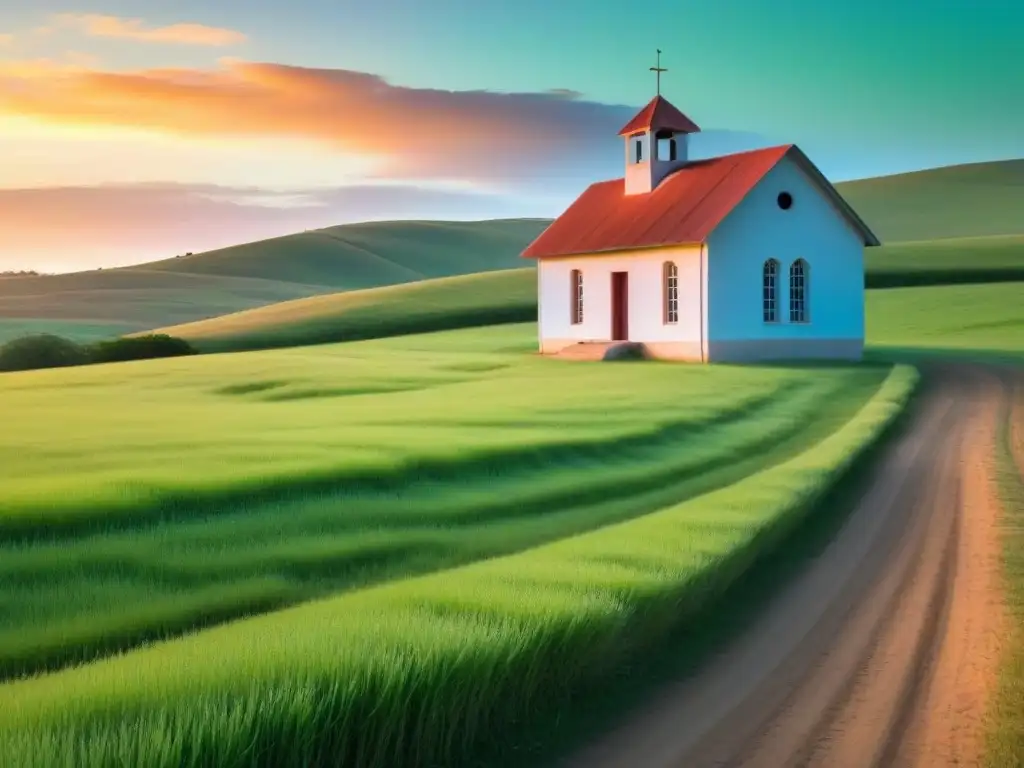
(139, 348)
(43, 350)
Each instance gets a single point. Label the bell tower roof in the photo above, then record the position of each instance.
(658, 115)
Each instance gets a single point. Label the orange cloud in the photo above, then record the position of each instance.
(413, 132)
(98, 25)
(36, 70)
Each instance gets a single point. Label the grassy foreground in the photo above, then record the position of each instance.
(425, 671)
(291, 488)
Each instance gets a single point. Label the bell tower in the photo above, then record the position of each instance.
(656, 141)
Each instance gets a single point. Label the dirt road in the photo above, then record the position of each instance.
(883, 651)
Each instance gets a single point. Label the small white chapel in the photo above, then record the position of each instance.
(745, 257)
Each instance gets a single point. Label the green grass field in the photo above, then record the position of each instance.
(488, 298)
(677, 481)
(407, 550)
(990, 259)
(339, 480)
(979, 321)
(240, 483)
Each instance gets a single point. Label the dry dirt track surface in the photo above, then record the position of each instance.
(883, 651)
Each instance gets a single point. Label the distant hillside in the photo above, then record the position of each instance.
(369, 255)
(507, 296)
(957, 201)
(994, 259)
(229, 280)
(486, 298)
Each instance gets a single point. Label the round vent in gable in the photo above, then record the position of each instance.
(785, 201)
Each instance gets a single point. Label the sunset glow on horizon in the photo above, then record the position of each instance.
(462, 112)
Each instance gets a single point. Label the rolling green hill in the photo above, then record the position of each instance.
(485, 298)
(370, 255)
(86, 304)
(956, 201)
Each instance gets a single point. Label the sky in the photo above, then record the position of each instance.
(132, 130)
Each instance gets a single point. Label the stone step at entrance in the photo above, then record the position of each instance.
(596, 350)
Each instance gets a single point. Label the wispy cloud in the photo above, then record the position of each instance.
(41, 69)
(98, 25)
(542, 141)
(411, 132)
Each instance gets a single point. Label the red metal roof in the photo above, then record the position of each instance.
(683, 209)
(659, 114)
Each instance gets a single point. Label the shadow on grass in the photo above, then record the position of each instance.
(895, 354)
(161, 506)
(920, 278)
(356, 327)
(805, 364)
(250, 387)
(382, 388)
(556, 733)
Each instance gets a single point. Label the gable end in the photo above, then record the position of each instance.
(845, 210)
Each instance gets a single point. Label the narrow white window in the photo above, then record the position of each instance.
(671, 272)
(799, 274)
(769, 292)
(576, 284)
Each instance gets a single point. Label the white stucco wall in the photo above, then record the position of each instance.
(812, 229)
(646, 291)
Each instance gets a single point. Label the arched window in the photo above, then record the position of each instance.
(576, 284)
(769, 291)
(799, 293)
(671, 301)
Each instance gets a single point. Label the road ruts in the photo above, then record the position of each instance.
(882, 652)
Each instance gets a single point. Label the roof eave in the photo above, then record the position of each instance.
(615, 249)
(627, 131)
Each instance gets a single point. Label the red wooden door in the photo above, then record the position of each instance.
(620, 306)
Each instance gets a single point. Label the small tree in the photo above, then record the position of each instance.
(145, 347)
(43, 350)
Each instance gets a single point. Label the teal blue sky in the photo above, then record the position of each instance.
(865, 88)
(868, 87)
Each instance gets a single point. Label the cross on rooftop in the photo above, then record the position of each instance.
(658, 69)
